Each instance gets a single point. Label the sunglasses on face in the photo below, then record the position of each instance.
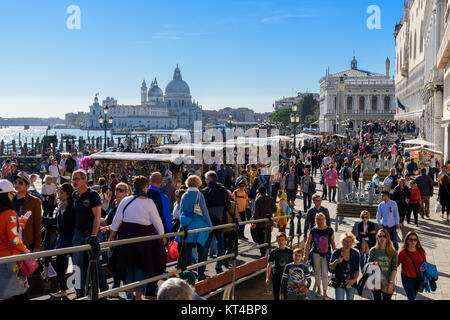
(413, 239)
(365, 217)
(120, 190)
(381, 236)
(20, 183)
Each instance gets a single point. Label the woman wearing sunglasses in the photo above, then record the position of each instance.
(411, 256)
(366, 236)
(385, 256)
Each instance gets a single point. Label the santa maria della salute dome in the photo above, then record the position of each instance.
(158, 110)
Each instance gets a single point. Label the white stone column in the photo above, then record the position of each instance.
(438, 113)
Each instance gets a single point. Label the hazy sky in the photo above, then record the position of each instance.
(237, 53)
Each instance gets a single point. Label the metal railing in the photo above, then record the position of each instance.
(94, 250)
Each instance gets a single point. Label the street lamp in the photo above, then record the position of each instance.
(295, 120)
(229, 120)
(106, 122)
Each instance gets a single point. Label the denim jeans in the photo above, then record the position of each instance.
(393, 234)
(341, 292)
(243, 217)
(81, 260)
(363, 260)
(219, 235)
(408, 285)
(62, 261)
(135, 275)
(202, 255)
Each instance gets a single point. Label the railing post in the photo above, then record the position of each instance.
(182, 260)
(291, 230)
(92, 278)
(299, 226)
(268, 235)
(236, 253)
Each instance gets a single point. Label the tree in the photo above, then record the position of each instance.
(281, 115)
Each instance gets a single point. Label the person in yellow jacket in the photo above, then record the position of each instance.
(282, 210)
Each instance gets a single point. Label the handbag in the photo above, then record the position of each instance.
(419, 285)
(197, 209)
(26, 267)
(172, 251)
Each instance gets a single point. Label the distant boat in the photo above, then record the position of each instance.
(26, 127)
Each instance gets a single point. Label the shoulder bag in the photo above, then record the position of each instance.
(419, 286)
(26, 267)
(197, 209)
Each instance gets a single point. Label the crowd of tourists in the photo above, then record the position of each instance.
(64, 213)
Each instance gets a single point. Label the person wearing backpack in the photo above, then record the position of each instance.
(71, 164)
(390, 182)
(318, 250)
(346, 178)
(308, 187)
(411, 256)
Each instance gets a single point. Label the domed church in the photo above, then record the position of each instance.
(177, 99)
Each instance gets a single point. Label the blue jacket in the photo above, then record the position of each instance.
(194, 221)
(430, 274)
(164, 213)
(339, 270)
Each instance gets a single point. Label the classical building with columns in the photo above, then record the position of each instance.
(347, 98)
(419, 76)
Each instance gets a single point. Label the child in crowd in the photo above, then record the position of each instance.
(49, 196)
(296, 278)
(278, 258)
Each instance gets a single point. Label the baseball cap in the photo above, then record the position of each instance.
(24, 176)
(6, 186)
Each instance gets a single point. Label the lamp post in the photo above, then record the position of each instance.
(106, 122)
(229, 120)
(295, 120)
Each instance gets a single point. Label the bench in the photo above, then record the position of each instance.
(353, 211)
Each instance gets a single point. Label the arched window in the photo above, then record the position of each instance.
(374, 103)
(349, 104)
(362, 102)
(387, 103)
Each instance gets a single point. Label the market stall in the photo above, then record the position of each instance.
(127, 165)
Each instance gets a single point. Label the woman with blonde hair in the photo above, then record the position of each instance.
(194, 214)
(385, 256)
(344, 265)
(318, 249)
(282, 210)
(366, 236)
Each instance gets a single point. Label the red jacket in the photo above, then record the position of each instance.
(415, 196)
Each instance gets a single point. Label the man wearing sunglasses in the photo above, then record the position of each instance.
(23, 203)
(388, 217)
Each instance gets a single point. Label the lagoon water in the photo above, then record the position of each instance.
(12, 133)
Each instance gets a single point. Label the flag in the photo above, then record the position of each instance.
(400, 105)
(159, 140)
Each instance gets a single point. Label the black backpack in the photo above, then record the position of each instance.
(346, 174)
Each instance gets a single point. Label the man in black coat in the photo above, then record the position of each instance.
(264, 206)
(425, 185)
(218, 203)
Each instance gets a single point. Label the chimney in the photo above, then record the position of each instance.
(388, 66)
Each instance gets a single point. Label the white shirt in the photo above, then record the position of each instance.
(140, 211)
(48, 189)
(54, 170)
(326, 160)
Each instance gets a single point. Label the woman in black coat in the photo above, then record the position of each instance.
(401, 196)
(367, 231)
(65, 222)
(444, 195)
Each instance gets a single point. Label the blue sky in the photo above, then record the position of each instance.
(238, 53)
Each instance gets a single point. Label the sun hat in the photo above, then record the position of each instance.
(6, 186)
